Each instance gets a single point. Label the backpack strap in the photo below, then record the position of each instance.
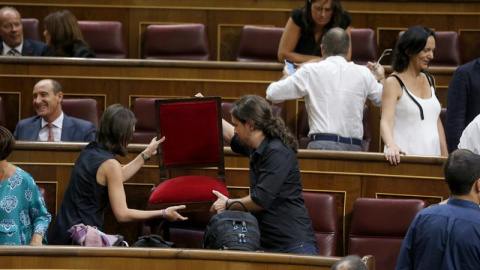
(410, 95)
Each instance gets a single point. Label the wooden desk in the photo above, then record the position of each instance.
(74, 257)
(346, 175)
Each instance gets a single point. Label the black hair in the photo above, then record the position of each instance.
(462, 170)
(309, 23)
(257, 111)
(411, 42)
(7, 143)
(116, 129)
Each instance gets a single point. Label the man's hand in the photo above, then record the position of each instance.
(219, 205)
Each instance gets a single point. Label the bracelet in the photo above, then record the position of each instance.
(226, 204)
(164, 213)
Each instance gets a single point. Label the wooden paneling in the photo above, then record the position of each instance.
(218, 16)
(120, 81)
(345, 175)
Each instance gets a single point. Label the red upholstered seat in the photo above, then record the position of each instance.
(364, 45)
(322, 209)
(378, 227)
(179, 41)
(303, 129)
(83, 108)
(31, 29)
(145, 128)
(193, 138)
(259, 44)
(447, 49)
(106, 39)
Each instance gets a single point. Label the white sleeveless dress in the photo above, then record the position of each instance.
(412, 134)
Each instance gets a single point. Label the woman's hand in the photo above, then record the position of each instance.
(219, 205)
(171, 213)
(152, 148)
(392, 154)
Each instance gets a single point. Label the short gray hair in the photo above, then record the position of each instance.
(336, 42)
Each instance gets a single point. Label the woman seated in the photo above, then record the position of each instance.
(63, 36)
(24, 218)
(410, 122)
(97, 179)
(306, 26)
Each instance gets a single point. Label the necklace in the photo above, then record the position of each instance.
(5, 173)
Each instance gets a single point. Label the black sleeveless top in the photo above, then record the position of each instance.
(85, 199)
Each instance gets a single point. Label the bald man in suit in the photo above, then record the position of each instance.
(50, 123)
(11, 32)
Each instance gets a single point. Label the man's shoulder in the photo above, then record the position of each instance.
(470, 66)
(29, 120)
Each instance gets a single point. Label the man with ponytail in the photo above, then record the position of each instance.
(276, 197)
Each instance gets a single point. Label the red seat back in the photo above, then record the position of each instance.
(259, 44)
(378, 227)
(83, 108)
(322, 209)
(31, 29)
(106, 39)
(144, 111)
(364, 45)
(179, 41)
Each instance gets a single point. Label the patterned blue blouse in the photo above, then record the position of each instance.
(22, 210)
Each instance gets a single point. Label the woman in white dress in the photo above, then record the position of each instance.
(410, 122)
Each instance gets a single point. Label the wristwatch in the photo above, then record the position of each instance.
(144, 157)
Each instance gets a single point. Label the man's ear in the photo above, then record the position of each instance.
(477, 185)
(60, 96)
(322, 50)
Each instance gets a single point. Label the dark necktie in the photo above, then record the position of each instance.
(13, 52)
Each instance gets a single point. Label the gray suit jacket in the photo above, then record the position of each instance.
(73, 130)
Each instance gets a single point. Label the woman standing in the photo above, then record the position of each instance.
(410, 122)
(63, 36)
(306, 26)
(97, 179)
(24, 218)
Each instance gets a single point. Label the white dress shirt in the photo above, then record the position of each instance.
(57, 129)
(335, 92)
(6, 48)
(471, 136)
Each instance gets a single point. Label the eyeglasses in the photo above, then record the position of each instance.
(385, 53)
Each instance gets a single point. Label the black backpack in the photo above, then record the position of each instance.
(233, 230)
(153, 240)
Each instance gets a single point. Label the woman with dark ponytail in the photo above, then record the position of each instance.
(276, 197)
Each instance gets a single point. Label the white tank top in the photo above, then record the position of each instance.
(412, 134)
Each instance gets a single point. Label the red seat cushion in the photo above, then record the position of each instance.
(190, 188)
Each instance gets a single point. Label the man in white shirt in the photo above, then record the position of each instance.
(50, 123)
(11, 33)
(470, 138)
(335, 92)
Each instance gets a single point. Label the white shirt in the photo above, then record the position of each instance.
(471, 136)
(57, 129)
(335, 92)
(6, 48)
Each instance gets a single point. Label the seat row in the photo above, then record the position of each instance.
(259, 44)
(378, 227)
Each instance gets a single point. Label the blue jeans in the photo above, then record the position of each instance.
(306, 248)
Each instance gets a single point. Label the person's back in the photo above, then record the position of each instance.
(447, 236)
(85, 199)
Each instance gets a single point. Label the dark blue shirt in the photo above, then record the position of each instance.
(443, 237)
(276, 186)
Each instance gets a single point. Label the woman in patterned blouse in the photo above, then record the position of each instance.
(24, 218)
